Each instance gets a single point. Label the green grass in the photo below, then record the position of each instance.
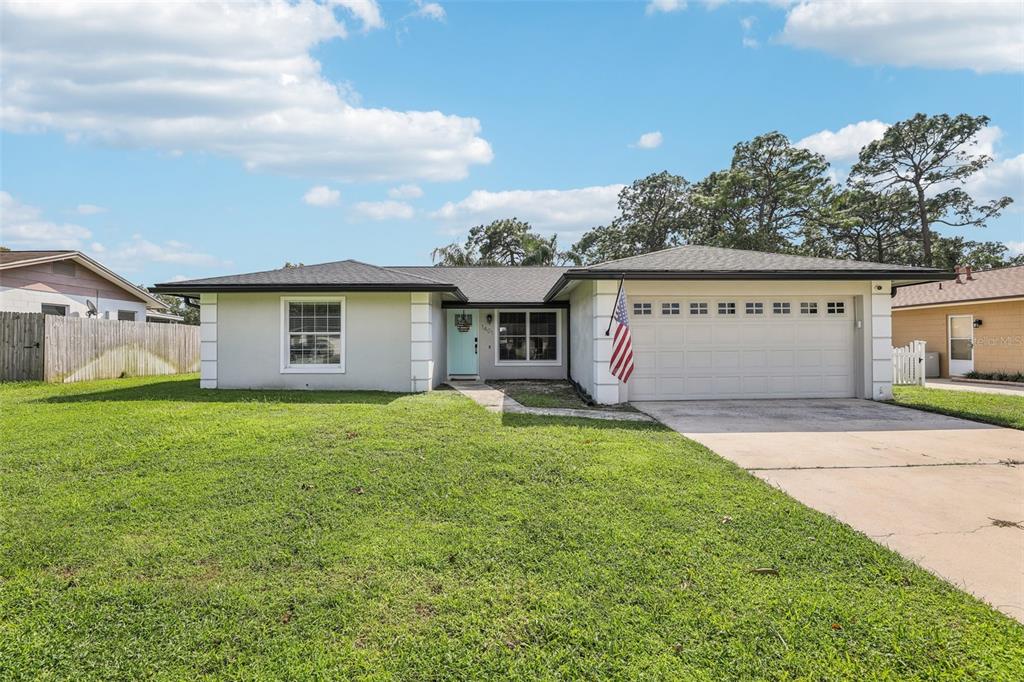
(991, 408)
(152, 530)
(551, 394)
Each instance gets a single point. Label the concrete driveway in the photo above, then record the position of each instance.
(943, 492)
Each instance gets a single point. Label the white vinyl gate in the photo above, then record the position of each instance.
(908, 364)
(712, 347)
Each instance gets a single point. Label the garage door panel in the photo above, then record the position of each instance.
(725, 334)
(670, 361)
(744, 355)
(698, 359)
(698, 333)
(780, 358)
(644, 360)
(670, 334)
(725, 359)
(754, 359)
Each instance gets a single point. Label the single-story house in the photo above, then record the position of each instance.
(706, 323)
(71, 284)
(975, 322)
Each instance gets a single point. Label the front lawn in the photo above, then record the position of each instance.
(149, 529)
(991, 408)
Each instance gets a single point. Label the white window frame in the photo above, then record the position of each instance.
(729, 312)
(67, 308)
(668, 310)
(782, 308)
(638, 308)
(287, 368)
(835, 307)
(134, 313)
(698, 308)
(751, 308)
(806, 309)
(529, 363)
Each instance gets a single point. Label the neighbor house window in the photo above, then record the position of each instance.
(698, 308)
(836, 308)
(755, 308)
(809, 308)
(313, 334)
(126, 315)
(727, 308)
(64, 267)
(641, 308)
(528, 336)
(669, 308)
(54, 309)
(780, 308)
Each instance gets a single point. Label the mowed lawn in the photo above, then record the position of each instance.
(152, 530)
(992, 408)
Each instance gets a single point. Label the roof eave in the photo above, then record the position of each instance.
(911, 277)
(180, 289)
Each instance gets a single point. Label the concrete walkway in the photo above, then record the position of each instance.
(496, 401)
(950, 385)
(945, 493)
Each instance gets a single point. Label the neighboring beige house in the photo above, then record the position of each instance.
(975, 322)
(707, 323)
(70, 283)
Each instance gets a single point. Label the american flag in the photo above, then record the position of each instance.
(621, 364)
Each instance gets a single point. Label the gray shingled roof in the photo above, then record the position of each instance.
(487, 284)
(986, 285)
(344, 273)
(714, 259)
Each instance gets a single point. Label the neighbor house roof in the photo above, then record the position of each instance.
(494, 284)
(709, 262)
(986, 285)
(20, 259)
(351, 275)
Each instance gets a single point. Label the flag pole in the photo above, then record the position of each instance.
(611, 318)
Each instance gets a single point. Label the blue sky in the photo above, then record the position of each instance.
(183, 141)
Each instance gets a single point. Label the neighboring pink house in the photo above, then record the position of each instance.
(72, 284)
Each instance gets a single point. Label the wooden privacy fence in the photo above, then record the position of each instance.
(34, 346)
(908, 364)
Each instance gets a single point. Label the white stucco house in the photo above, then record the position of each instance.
(707, 323)
(71, 284)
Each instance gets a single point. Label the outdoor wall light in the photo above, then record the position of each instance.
(977, 323)
(490, 318)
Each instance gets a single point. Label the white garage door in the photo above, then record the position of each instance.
(688, 348)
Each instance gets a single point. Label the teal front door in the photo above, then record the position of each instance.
(462, 342)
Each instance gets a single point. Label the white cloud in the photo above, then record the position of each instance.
(981, 36)
(1016, 248)
(405, 192)
(321, 195)
(429, 10)
(178, 278)
(547, 209)
(22, 227)
(89, 209)
(747, 24)
(233, 79)
(843, 145)
(139, 250)
(656, 6)
(384, 210)
(650, 140)
(1002, 177)
(367, 11)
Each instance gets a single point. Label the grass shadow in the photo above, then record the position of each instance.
(189, 391)
(519, 420)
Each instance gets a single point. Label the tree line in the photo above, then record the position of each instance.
(779, 198)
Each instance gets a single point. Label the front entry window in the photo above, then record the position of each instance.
(528, 336)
